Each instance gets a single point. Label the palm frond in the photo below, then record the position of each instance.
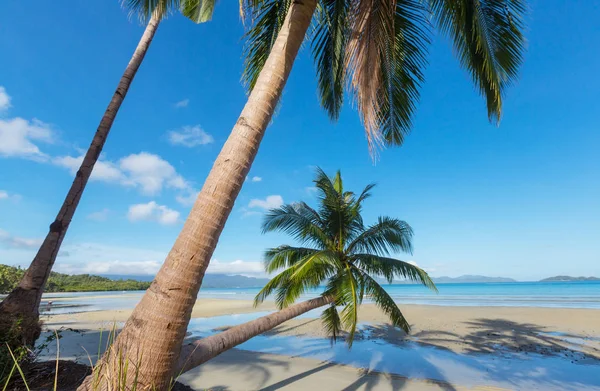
(332, 322)
(198, 11)
(325, 259)
(285, 256)
(371, 29)
(144, 9)
(386, 236)
(403, 63)
(489, 42)
(338, 182)
(341, 219)
(267, 17)
(390, 268)
(304, 279)
(385, 302)
(249, 8)
(299, 221)
(349, 291)
(366, 193)
(274, 283)
(328, 47)
(307, 273)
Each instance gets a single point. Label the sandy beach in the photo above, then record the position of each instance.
(455, 334)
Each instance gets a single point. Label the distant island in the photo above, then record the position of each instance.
(569, 278)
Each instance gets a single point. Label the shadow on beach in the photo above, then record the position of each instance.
(493, 351)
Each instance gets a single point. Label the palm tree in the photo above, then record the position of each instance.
(378, 49)
(342, 255)
(22, 304)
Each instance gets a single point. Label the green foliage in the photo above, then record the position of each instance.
(376, 51)
(14, 334)
(339, 251)
(122, 376)
(488, 40)
(198, 11)
(10, 277)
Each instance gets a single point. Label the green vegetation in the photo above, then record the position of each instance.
(342, 253)
(10, 277)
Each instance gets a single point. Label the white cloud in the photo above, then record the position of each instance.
(248, 213)
(248, 268)
(150, 173)
(272, 201)
(4, 99)
(153, 212)
(182, 103)
(311, 190)
(103, 170)
(426, 269)
(146, 171)
(190, 136)
(101, 215)
(16, 242)
(4, 195)
(189, 199)
(17, 137)
(111, 267)
(95, 258)
(256, 179)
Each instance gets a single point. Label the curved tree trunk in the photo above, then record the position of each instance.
(24, 301)
(157, 326)
(199, 352)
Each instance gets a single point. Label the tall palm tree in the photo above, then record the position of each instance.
(343, 257)
(378, 49)
(22, 304)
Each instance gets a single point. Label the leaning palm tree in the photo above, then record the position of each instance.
(19, 311)
(377, 48)
(343, 258)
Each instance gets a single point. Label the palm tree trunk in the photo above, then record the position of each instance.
(157, 326)
(205, 349)
(24, 300)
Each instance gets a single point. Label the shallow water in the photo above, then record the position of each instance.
(512, 371)
(521, 294)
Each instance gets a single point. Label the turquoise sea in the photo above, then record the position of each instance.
(585, 294)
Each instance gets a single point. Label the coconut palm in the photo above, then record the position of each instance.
(343, 258)
(375, 47)
(22, 304)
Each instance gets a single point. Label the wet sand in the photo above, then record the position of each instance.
(549, 331)
(569, 335)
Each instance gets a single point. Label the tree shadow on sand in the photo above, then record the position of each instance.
(516, 355)
(506, 351)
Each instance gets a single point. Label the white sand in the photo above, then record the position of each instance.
(553, 335)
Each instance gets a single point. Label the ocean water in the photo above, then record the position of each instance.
(584, 294)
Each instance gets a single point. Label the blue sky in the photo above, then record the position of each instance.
(520, 200)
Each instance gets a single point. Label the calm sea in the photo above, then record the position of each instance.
(519, 294)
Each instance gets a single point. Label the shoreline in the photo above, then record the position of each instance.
(459, 329)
